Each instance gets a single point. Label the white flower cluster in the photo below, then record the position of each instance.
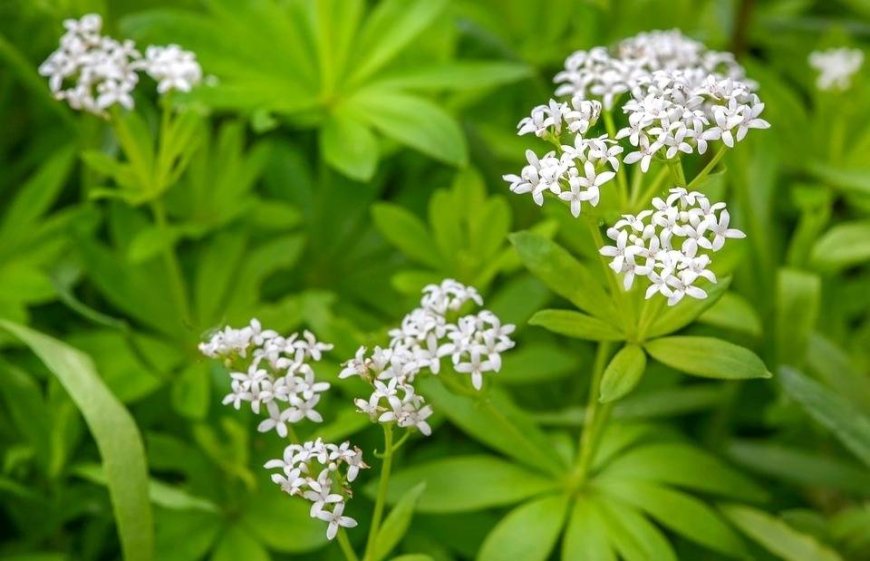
(606, 74)
(671, 244)
(271, 370)
(836, 67)
(93, 72)
(426, 335)
(674, 111)
(320, 473)
(576, 174)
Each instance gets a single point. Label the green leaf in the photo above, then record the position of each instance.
(397, 522)
(708, 357)
(776, 536)
(733, 312)
(349, 146)
(563, 274)
(800, 466)
(115, 432)
(236, 544)
(797, 308)
(467, 483)
(623, 373)
(834, 412)
(844, 245)
(149, 242)
(686, 311)
(389, 28)
(681, 513)
(281, 522)
(533, 363)
(586, 535)
(683, 466)
(575, 324)
(413, 557)
(406, 232)
(634, 537)
(851, 180)
(413, 121)
(459, 75)
(529, 532)
(191, 391)
(495, 421)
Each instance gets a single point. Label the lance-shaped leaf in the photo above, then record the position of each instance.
(575, 324)
(622, 373)
(529, 532)
(708, 357)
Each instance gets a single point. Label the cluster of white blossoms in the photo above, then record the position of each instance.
(272, 371)
(580, 168)
(606, 74)
(671, 245)
(93, 72)
(836, 67)
(680, 111)
(320, 473)
(426, 335)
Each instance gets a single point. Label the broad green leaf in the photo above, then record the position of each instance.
(678, 511)
(733, 312)
(633, 536)
(577, 325)
(281, 522)
(622, 373)
(115, 432)
(407, 232)
(236, 544)
(349, 146)
(683, 466)
(834, 412)
(776, 536)
(494, 420)
(797, 308)
(708, 357)
(459, 75)
(151, 241)
(586, 535)
(389, 28)
(685, 312)
(851, 180)
(563, 274)
(413, 121)
(466, 483)
(800, 466)
(529, 532)
(397, 522)
(844, 245)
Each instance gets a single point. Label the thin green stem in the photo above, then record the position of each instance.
(346, 548)
(613, 282)
(675, 165)
(652, 188)
(291, 434)
(596, 417)
(648, 313)
(176, 277)
(621, 180)
(708, 168)
(381, 498)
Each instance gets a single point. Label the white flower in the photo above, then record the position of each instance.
(336, 519)
(664, 245)
(173, 68)
(836, 67)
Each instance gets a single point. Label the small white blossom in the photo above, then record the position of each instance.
(172, 67)
(320, 473)
(836, 67)
(665, 244)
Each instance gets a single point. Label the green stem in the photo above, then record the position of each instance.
(613, 282)
(381, 499)
(596, 417)
(176, 278)
(291, 434)
(346, 548)
(643, 199)
(676, 167)
(650, 310)
(621, 180)
(708, 168)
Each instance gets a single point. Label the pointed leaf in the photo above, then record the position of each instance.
(623, 373)
(688, 310)
(586, 536)
(529, 532)
(575, 324)
(407, 232)
(708, 357)
(349, 146)
(397, 522)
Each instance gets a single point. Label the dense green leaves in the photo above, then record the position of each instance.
(115, 432)
(839, 416)
(468, 483)
(707, 357)
(528, 532)
(586, 534)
